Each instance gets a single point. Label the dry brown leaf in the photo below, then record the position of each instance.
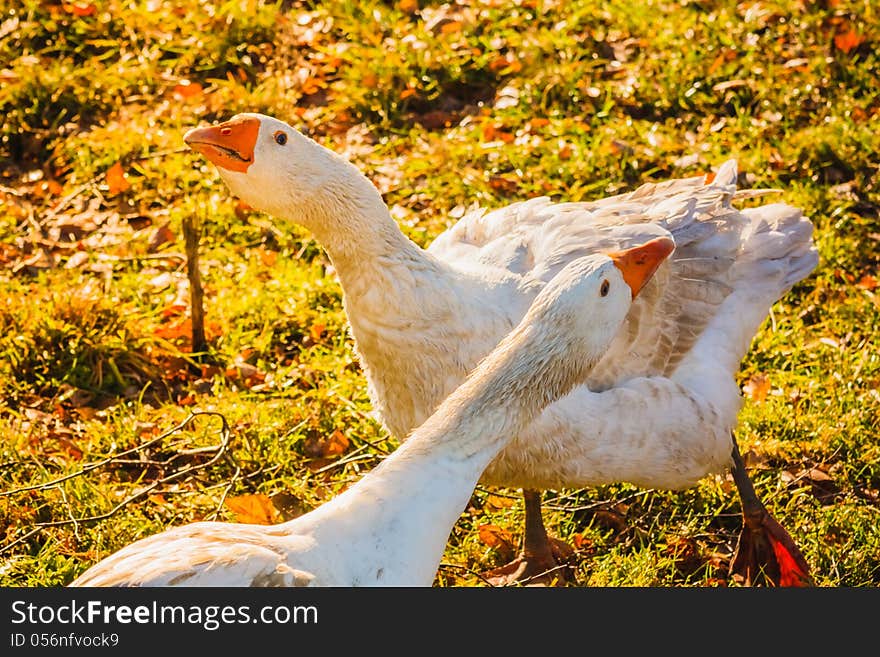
(253, 509)
(757, 387)
(117, 180)
(499, 502)
(503, 184)
(242, 210)
(495, 537)
(322, 447)
(162, 235)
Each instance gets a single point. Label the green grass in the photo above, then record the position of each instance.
(442, 106)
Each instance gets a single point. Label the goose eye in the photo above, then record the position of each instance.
(280, 138)
(604, 289)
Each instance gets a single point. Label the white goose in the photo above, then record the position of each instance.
(391, 528)
(421, 319)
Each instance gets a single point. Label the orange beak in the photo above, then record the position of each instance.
(639, 263)
(229, 145)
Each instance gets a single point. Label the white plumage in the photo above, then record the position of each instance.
(392, 526)
(659, 408)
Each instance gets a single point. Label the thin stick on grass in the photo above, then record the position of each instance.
(191, 234)
(221, 451)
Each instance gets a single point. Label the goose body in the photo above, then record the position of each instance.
(391, 527)
(657, 410)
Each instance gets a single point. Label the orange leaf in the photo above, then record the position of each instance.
(267, 257)
(867, 282)
(181, 329)
(498, 502)
(316, 331)
(503, 184)
(719, 60)
(336, 444)
(450, 27)
(408, 6)
(255, 509)
(505, 64)
(80, 8)
(117, 179)
(320, 447)
(187, 89)
(757, 387)
(848, 40)
(581, 542)
(406, 93)
(495, 537)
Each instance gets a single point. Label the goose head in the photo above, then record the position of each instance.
(276, 169)
(585, 304)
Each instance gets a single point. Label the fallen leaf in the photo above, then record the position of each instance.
(253, 509)
(316, 331)
(495, 537)
(503, 184)
(267, 257)
(162, 235)
(157, 498)
(867, 282)
(757, 387)
(336, 444)
(499, 502)
(117, 179)
(505, 64)
(242, 210)
(322, 447)
(436, 119)
(80, 8)
(846, 41)
(450, 27)
(186, 89)
(822, 485)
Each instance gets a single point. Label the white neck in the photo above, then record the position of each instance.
(395, 293)
(397, 519)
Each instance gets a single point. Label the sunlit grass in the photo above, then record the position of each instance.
(441, 106)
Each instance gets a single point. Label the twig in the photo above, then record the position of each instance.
(191, 234)
(225, 493)
(221, 451)
(468, 570)
(111, 459)
(70, 513)
(167, 255)
(351, 458)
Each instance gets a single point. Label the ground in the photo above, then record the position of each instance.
(443, 106)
